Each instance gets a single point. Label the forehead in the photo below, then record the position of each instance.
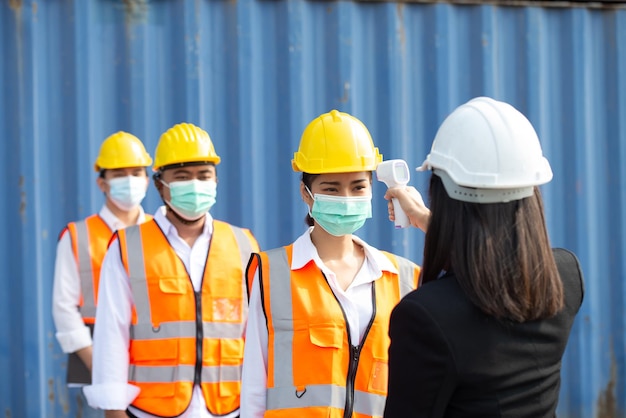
(127, 171)
(191, 169)
(343, 178)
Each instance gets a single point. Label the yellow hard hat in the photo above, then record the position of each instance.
(184, 143)
(336, 142)
(122, 150)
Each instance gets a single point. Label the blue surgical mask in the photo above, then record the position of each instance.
(127, 192)
(191, 199)
(340, 215)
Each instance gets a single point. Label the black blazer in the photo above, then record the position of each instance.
(449, 359)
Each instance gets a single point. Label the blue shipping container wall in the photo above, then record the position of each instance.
(253, 73)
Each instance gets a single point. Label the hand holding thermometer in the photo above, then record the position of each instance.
(395, 173)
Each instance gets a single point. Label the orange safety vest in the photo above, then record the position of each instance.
(179, 338)
(313, 369)
(90, 238)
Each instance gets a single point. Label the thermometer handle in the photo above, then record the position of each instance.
(402, 221)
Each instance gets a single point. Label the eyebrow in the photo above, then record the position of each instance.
(120, 170)
(337, 183)
(185, 171)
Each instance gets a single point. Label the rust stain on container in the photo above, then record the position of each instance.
(401, 29)
(22, 209)
(16, 5)
(136, 10)
(51, 390)
(607, 403)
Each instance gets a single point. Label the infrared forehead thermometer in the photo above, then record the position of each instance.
(395, 173)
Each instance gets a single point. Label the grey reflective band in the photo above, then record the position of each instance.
(478, 195)
(281, 307)
(243, 242)
(406, 271)
(85, 272)
(185, 329)
(183, 373)
(245, 249)
(325, 396)
(315, 395)
(174, 329)
(137, 275)
(369, 403)
(223, 330)
(161, 374)
(216, 374)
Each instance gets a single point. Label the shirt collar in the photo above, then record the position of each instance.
(168, 228)
(304, 251)
(114, 222)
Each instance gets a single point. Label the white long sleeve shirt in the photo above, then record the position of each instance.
(71, 332)
(356, 302)
(110, 389)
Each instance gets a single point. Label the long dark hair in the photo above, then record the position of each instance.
(499, 252)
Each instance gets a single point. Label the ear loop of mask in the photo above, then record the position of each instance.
(312, 197)
(169, 205)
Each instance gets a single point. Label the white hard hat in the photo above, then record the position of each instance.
(486, 151)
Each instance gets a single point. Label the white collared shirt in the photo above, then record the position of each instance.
(71, 332)
(110, 389)
(356, 302)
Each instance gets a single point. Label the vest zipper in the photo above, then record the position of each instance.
(355, 355)
(354, 352)
(197, 379)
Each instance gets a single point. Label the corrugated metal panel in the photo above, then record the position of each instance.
(253, 73)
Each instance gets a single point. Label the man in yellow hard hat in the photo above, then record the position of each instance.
(121, 164)
(173, 306)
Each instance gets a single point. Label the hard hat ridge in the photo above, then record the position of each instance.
(121, 150)
(184, 143)
(336, 142)
(486, 144)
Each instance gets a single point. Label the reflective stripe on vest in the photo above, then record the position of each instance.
(409, 275)
(146, 374)
(89, 243)
(164, 342)
(283, 392)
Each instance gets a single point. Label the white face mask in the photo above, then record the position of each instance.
(127, 192)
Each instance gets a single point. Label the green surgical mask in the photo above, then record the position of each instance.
(191, 199)
(340, 215)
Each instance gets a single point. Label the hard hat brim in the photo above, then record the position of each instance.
(185, 164)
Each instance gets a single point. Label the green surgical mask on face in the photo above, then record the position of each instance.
(340, 215)
(191, 199)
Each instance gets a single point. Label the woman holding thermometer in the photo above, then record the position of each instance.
(484, 334)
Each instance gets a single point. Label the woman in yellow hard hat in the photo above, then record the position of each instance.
(121, 164)
(316, 341)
